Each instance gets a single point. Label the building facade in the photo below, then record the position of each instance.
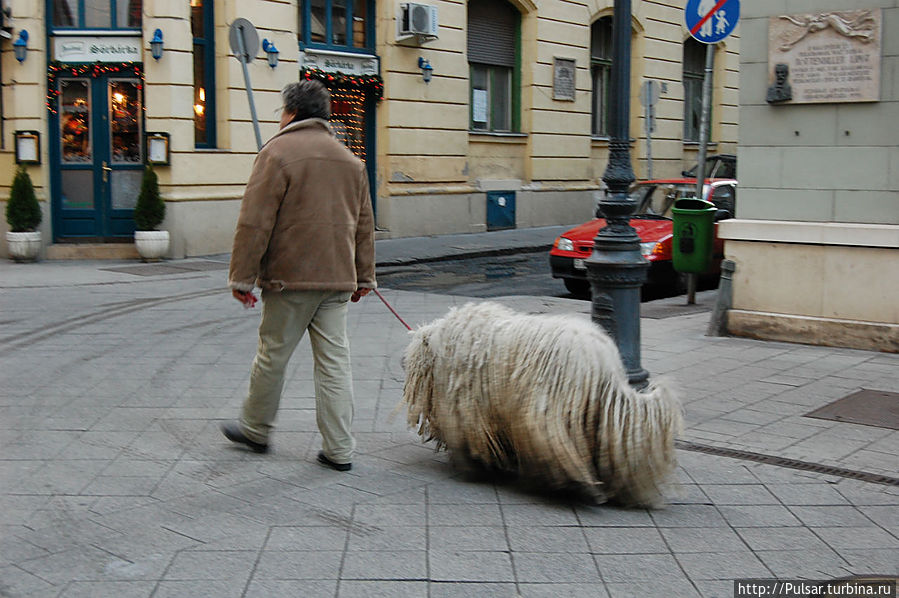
(816, 238)
(471, 116)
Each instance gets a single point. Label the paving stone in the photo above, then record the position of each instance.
(759, 516)
(479, 515)
(739, 494)
(231, 566)
(286, 587)
(804, 563)
(653, 589)
(400, 565)
(307, 564)
(830, 516)
(547, 539)
(561, 590)
(726, 565)
(688, 516)
(460, 566)
(533, 567)
(857, 538)
(780, 538)
(515, 515)
(621, 568)
(624, 540)
(295, 538)
(467, 538)
(681, 540)
(389, 539)
(470, 590)
(112, 589)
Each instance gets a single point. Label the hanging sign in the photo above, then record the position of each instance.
(339, 62)
(710, 21)
(97, 49)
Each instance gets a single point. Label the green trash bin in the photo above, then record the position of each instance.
(694, 224)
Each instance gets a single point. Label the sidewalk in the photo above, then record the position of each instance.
(115, 480)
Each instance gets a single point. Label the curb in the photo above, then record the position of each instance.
(393, 263)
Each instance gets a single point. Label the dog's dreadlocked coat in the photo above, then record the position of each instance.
(544, 396)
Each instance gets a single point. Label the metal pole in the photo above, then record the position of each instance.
(617, 269)
(246, 78)
(704, 120)
(650, 110)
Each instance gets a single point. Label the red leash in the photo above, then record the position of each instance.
(393, 311)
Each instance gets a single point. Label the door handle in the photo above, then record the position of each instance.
(106, 171)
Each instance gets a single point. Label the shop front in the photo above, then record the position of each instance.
(95, 125)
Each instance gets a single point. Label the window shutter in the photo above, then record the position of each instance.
(492, 29)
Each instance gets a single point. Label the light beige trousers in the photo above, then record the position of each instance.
(286, 316)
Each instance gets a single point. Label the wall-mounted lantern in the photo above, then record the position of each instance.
(156, 44)
(20, 46)
(426, 69)
(271, 52)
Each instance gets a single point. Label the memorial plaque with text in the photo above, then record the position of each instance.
(827, 57)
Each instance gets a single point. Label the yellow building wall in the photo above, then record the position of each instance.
(423, 136)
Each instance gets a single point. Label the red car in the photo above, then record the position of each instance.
(653, 224)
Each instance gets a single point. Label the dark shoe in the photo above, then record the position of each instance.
(233, 433)
(338, 466)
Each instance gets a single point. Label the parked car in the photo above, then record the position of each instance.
(654, 226)
(717, 166)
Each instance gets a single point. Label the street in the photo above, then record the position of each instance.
(115, 480)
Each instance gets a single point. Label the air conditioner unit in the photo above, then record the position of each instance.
(417, 21)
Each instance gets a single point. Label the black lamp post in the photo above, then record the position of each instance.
(617, 269)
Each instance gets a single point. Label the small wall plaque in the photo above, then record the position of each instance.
(28, 147)
(564, 70)
(158, 148)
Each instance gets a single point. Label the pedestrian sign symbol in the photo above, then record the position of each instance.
(710, 21)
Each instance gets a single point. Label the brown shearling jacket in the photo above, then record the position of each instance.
(306, 219)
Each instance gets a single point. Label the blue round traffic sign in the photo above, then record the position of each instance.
(710, 21)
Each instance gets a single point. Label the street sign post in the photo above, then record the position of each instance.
(649, 97)
(244, 41)
(709, 22)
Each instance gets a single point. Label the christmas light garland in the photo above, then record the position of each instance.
(373, 84)
(94, 69)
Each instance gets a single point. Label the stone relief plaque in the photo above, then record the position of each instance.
(563, 79)
(828, 57)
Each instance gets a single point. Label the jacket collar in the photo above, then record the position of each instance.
(304, 124)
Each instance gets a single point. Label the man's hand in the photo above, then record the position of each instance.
(359, 294)
(246, 297)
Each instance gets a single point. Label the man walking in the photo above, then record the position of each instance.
(305, 236)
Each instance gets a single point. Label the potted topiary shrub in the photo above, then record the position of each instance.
(149, 213)
(23, 214)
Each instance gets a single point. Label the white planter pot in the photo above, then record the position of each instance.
(24, 247)
(152, 245)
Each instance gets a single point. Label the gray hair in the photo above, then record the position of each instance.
(307, 99)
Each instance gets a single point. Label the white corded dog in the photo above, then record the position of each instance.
(545, 396)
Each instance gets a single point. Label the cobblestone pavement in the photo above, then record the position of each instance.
(115, 481)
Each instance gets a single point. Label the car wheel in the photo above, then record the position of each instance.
(577, 287)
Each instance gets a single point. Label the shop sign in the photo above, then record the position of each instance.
(97, 49)
(825, 57)
(339, 62)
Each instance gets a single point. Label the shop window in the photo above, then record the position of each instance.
(202, 27)
(97, 14)
(494, 29)
(343, 24)
(693, 74)
(601, 74)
